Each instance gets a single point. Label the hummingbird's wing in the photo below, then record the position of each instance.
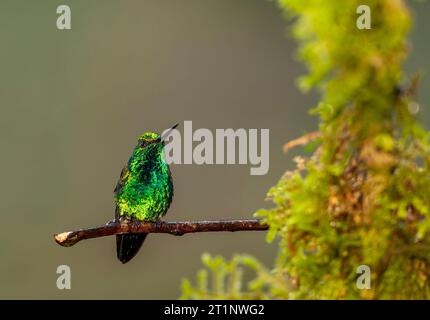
(121, 181)
(122, 178)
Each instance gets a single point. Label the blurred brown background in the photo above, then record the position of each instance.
(73, 103)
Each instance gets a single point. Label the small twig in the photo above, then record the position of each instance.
(301, 141)
(68, 239)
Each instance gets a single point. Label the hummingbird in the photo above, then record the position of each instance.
(144, 190)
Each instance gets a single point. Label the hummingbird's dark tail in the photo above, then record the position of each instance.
(127, 245)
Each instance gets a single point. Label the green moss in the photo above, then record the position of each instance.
(362, 196)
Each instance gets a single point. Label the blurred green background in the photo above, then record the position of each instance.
(74, 102)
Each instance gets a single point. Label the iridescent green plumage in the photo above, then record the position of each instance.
(144, 190)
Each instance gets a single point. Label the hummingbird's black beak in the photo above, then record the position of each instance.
(168, 132)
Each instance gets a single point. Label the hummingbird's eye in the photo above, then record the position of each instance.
(147, 142)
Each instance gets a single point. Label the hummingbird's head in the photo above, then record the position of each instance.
(149, 138)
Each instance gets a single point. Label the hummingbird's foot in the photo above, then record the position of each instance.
(133, 222)
(158, 223)
(123, 220)
(111, 221)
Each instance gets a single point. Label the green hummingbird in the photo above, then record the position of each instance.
(144, 190)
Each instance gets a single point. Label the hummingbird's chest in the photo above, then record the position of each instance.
(146, 191)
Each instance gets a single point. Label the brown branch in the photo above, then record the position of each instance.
(301, 141)
(68, 239)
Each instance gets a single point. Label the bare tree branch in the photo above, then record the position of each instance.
(68, 239)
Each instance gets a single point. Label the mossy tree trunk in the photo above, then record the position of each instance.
(362, 197)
